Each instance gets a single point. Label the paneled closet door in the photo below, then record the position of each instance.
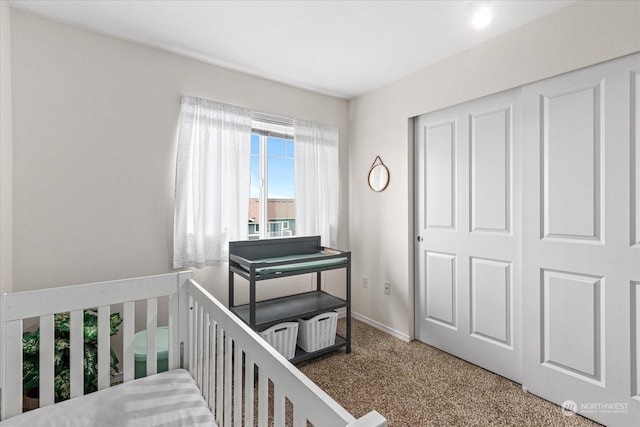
(581, 254)
(468, 232)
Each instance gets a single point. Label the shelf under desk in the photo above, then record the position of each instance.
(289, 308)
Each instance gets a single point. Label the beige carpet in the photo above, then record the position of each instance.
(413, 384)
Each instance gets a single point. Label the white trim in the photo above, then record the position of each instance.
(380, 326)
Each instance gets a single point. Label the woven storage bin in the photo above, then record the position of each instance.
(282, 337)
(318, 332)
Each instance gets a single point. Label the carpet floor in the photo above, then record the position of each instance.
(414, 384)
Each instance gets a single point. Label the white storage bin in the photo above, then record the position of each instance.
(318, 332)
(282, 337)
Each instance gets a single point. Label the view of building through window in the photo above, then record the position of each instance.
(272, 208)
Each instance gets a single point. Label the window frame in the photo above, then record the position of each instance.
(266, 126)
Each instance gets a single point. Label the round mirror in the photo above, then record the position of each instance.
(378, 177)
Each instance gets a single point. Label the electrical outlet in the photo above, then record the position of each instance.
(387, 288)
(365, 282)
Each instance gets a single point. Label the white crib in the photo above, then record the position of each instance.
(221, 354)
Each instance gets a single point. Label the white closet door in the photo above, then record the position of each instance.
(581, 255)
(467, 224)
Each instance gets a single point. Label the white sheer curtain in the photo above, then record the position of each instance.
(212, 181)
(317, 192)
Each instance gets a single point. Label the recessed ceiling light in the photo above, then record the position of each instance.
(482, 18)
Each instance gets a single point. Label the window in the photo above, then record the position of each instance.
(232, 161)
(272, 204)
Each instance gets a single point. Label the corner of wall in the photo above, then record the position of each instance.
(412, 226)
(6, 152)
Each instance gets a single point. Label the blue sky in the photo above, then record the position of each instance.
(280, 166)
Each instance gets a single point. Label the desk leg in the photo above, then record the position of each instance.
(349, 308)
(231, 290)
(252, 300)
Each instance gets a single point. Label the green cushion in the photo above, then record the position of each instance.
(278, 268)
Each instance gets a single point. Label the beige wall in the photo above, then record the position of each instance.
(95, 122)
(6, 155)
(381, 224)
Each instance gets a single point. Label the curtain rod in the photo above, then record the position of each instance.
(273, 119)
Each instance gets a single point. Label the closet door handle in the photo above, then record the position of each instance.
(419, 239)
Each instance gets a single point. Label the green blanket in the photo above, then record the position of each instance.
(304, 265)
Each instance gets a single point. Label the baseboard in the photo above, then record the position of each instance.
(381, 327)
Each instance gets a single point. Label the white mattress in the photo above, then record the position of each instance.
(167, 399)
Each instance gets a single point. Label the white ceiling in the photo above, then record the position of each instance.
(341, 48)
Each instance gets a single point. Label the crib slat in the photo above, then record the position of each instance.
(248, 390)
(76, 353)
(237, 386)
(189, 344)
(219, 375)
(46, 366)
(203, 351)
(193, 337)
(152, 339)
(195, 364)
(199, 376)
(263, 398)
(228, 357)
(206, 357)
(104, 344)
(212, 374)
(278, 406)
(174, 344)
(299, 420)
(128, 340)
(12, 395)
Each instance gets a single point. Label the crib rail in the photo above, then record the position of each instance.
(225, 357)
